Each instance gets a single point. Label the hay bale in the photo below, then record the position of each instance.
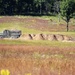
(59, 37)
(67, 38)
(26, 37)
(45, 36)
(51, 37)
(38, 37)
(32, 35)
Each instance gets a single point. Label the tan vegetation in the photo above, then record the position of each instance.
(37, 60)
(50, 37)
(40, 55)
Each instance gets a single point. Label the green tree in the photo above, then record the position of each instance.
(67, 10)
(39, 5)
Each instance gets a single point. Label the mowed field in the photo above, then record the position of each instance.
(37, 57)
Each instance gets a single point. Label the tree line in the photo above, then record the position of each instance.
(39, 7)
(29, 7)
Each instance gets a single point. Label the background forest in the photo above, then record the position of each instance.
(29, 7)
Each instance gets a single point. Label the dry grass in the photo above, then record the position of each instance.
(48, 58)
(37, 60)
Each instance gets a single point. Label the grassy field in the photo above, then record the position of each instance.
(36, 25)
(37, 57)
(38, 42)
(39, 60)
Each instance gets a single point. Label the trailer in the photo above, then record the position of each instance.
(15, 34)
(10, 34)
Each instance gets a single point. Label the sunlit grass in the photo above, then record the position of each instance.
(57, 62)
(63, 33)
(40, 43)
(19, 26)
(22, 26)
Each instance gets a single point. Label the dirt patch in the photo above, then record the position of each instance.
(36, 23)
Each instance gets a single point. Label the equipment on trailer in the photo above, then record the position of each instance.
(10, 34)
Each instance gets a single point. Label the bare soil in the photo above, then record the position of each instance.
(37, 23)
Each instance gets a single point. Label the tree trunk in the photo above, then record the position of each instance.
(59, 16)
(40, 7)
(67, 26)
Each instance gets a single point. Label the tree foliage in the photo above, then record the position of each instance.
(22, 7)
(67, 10)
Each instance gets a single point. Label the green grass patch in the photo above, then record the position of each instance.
(17, 26)
(25, 30)
(72, 34)
(39, 43)
(22, 26)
